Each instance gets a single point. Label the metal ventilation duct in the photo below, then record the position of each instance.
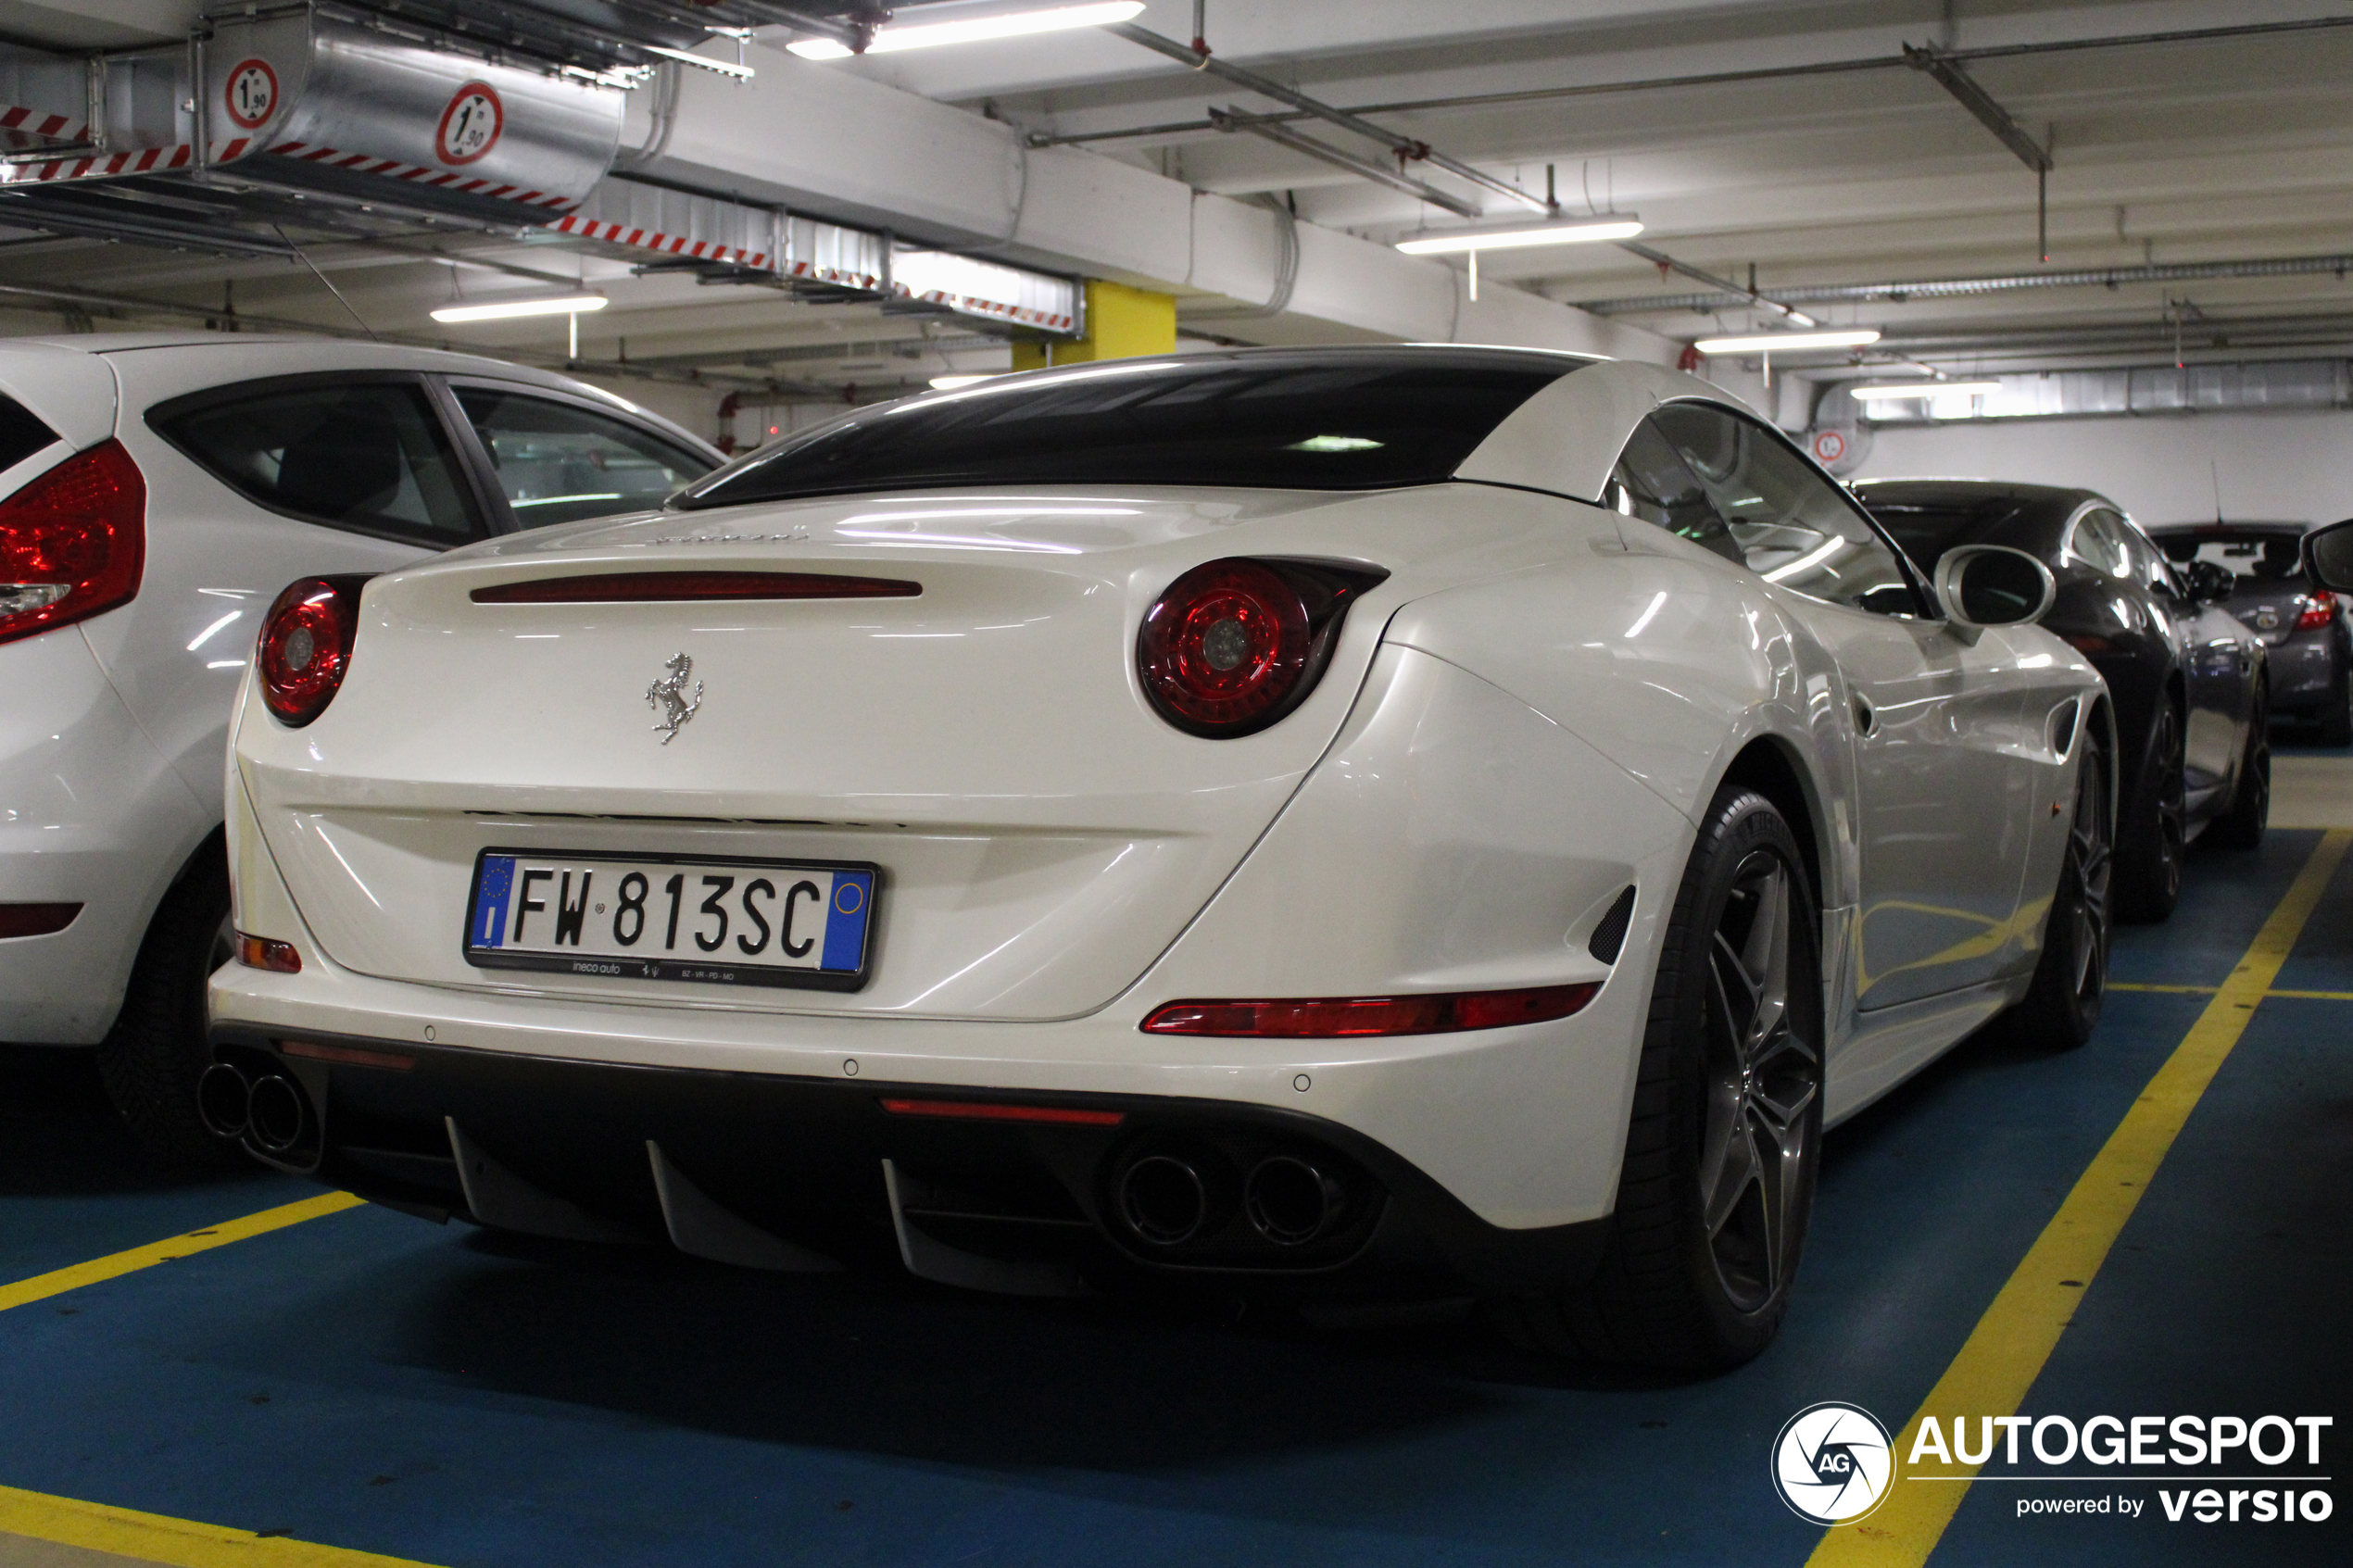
(665, 229)
(305, 114)
(2247, 386)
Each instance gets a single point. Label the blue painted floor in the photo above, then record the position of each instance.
(375, 1382)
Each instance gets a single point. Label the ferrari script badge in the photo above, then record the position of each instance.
(670, 695)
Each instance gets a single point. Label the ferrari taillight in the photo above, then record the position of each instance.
(306, 646)
(1234, 645)
(2320, 608)
(73, 542)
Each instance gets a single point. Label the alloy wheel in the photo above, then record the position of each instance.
(2090, 861)
(1762, 1079)
(2171, 756)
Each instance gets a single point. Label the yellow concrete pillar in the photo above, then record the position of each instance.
(1121, 323)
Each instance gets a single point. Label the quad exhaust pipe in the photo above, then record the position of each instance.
(269, 1110)
(1174, 1195)
(1292, 1200)
(225, 1101)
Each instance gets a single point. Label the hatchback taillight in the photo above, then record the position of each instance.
(73, 542)
(306, 646)
(1234, 645)
(2320, 608)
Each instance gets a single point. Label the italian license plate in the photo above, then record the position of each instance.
(730, 922)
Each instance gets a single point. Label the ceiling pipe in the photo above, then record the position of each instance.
(1709, 78)
(1405, 148)
(1324, 152)
(1733, 297)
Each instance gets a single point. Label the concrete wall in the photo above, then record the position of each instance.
(2294, 466)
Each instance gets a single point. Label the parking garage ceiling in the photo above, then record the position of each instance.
(2195, 201)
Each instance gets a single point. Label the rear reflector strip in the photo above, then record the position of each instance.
(35, 920)
(1326, 1017)
(348, 1056)
(680, 587)
(981, 1111)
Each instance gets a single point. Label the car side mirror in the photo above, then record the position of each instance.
(2328, 556)
(1982, 585)
(2210, 584)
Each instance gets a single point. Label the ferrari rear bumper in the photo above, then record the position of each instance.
(1032, 1192)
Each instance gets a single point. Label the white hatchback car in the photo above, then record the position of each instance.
(156, 492)
(1351, 819)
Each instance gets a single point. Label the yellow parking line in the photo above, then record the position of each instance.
(113, 1267)
(2209, 990)
(2006, 1350)
(155, 1537)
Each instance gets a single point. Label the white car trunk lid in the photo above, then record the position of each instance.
(1042, 834)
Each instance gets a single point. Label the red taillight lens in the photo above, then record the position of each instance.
(73, 542)
(1329, 1018)
(2320, 608)
(306, 646)
(1233, 646)
(260, 952)
(671, 587)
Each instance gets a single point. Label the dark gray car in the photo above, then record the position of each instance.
(2307, 628)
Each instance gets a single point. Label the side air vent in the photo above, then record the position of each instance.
(1609, 936)
(2063, 718)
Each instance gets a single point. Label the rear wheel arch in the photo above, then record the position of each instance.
(1770, 766)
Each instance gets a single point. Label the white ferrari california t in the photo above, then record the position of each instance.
(1344, 821)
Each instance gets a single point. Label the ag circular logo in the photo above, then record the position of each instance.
(1832, 1463)
(469, 126)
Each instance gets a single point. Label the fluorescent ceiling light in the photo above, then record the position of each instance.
(1011, 24)
(950, 384)
(1775, 343)
(1888, 391)
(568, 305)
(1514, 239)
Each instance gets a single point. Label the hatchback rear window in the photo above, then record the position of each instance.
(21, 434)
(1273, 419)
(370, 457)
(2271, 556)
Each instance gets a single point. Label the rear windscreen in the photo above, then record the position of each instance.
(20, 434)
(1272, 418)
(2270, 556)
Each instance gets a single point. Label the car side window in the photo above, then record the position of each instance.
(2099, 541)
(370, 457)
(2145, 562)
(558, 462)
(1652, 482)
(1793, 526)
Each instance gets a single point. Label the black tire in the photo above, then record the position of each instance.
(151, 1058)
(2242, 826)
(2152, 842)
(2063, 1006)
(1704, 1243)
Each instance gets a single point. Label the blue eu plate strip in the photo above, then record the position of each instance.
(853, 899)
(490, 902)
